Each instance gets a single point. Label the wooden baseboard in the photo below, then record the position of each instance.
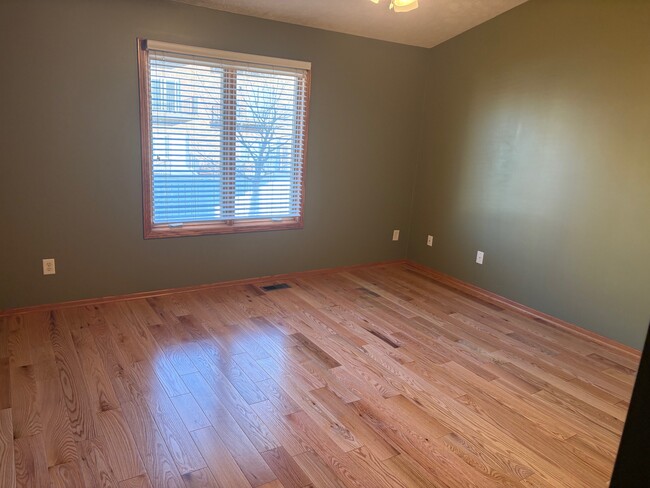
(188, 289)
(519, 308)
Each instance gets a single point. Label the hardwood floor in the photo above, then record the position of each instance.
(372, 377)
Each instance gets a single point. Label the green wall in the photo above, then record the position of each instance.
(70, 184)
(537, 152)
(526, 137)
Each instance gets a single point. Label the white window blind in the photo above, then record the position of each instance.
(226, 137)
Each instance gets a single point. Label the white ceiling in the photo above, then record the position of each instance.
(433, 22)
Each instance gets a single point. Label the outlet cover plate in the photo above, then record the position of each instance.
(49, 267)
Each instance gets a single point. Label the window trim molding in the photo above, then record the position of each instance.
(154, 231)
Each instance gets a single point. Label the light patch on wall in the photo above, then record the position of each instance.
(519, 157)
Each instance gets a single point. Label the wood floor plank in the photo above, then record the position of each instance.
(67, 475)
(201, 478)
(95, 466)
(5, 383)
(178, 439)
(293, 371)
(141, 481)
(276, 395)
(337, 431)
(247, 341)
(342, 465)
(221, 463)
(315, 352)
(120, 447)
(60, 446)
(144, 312)
(364, 382)
(18, 347)
(380, 470)
(499, 469)
(346, 415)
(240, 445)
(285, 468)
(100, 390)
(425, 444)
(524, 432)
(75, 396)
(190, 412)
(115, 362)
(171, 347)
(413, 474)
(30, 461)
(277, 424)
(147, 347)
(378, 376)
(541, 417)
(317, 471)
(250, 367)
(517, 458)
(207, 355)
(238, 408)
(7, 464)
(155, 456)
(4, 337)
(125, 333)
(277, 484)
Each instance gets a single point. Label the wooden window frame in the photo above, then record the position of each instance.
(154, 231)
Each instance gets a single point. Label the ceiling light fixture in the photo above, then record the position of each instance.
(401, 5)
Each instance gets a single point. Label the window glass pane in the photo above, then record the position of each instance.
(186, 133)
(266, 122)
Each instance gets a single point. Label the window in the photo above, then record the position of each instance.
(223, 140)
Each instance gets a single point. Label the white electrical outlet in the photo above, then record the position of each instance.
(429, 241)
(396, 235)
(49, 267)
(479, 257)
